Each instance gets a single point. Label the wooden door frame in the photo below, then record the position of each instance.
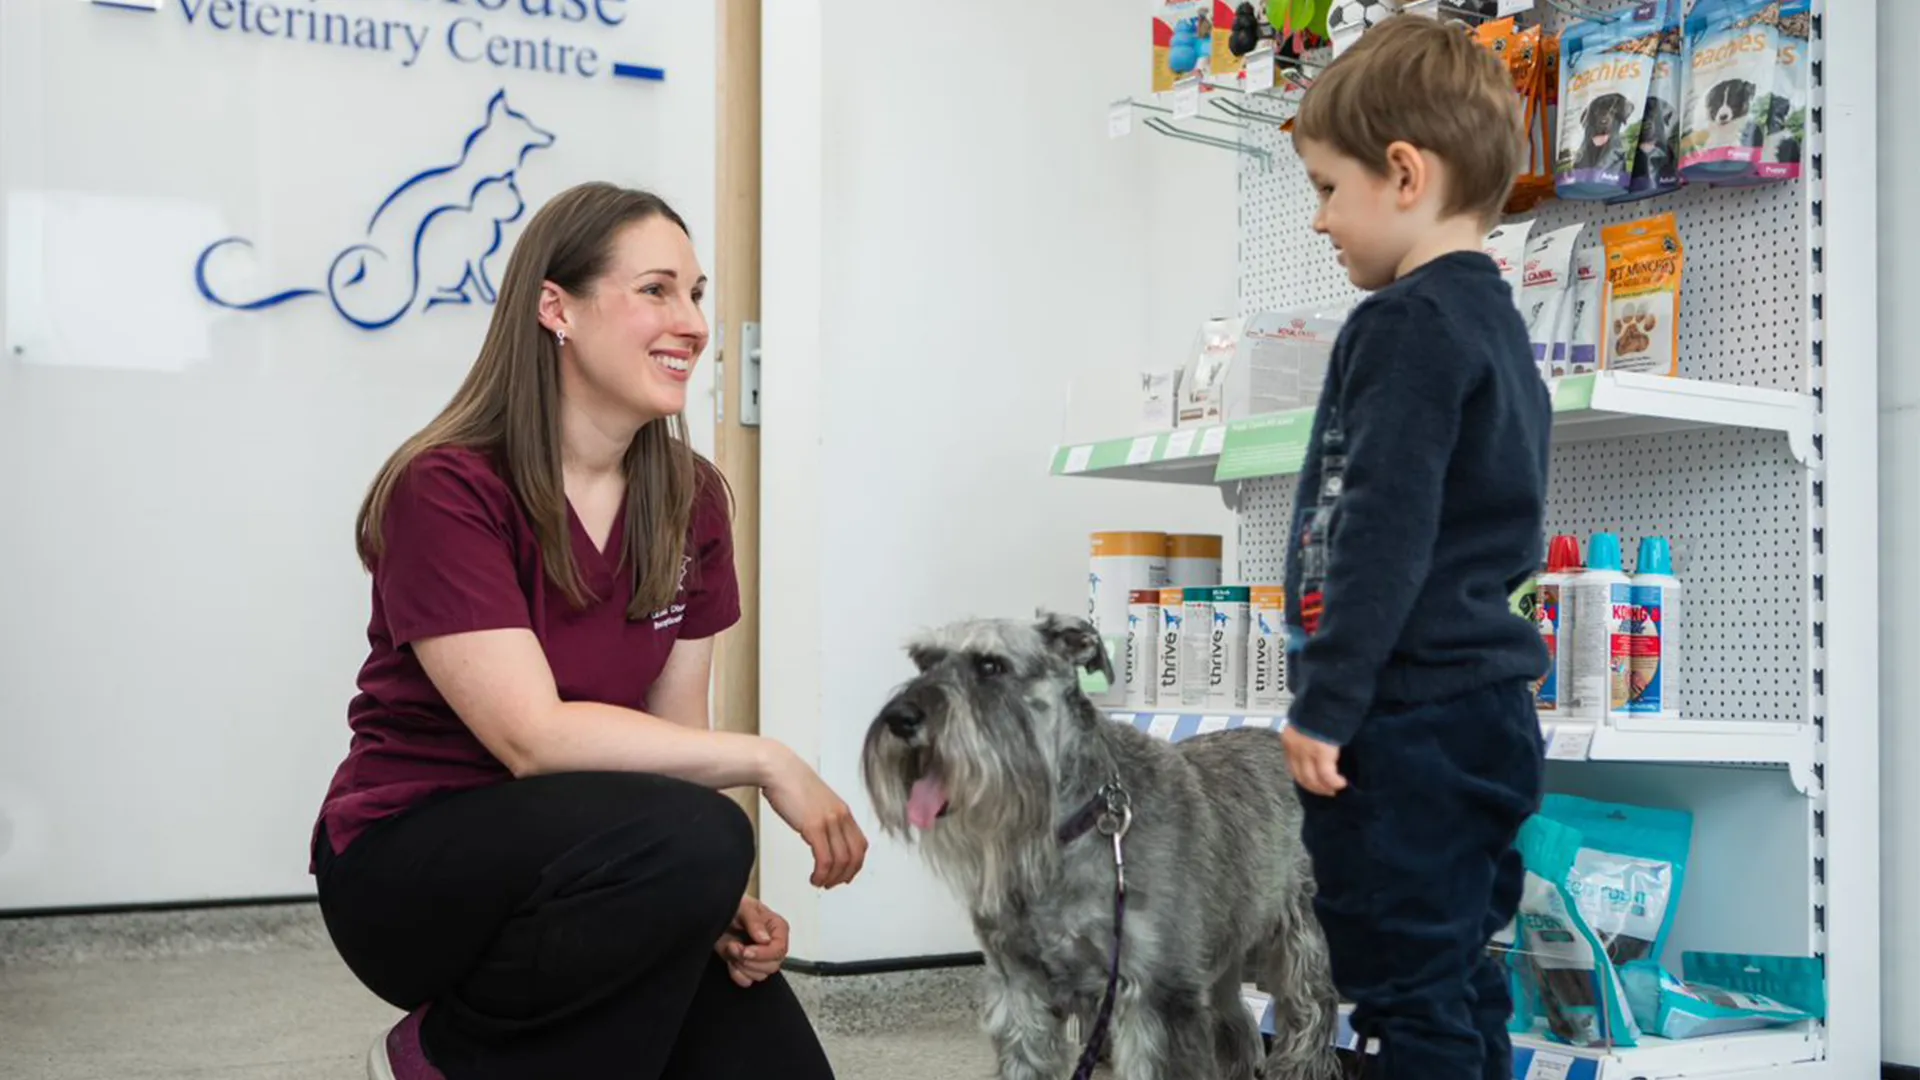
(736, 277)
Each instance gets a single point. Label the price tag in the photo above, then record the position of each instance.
(1141, 451)
(1547, 1065)
(1211, 723)
(1259, 70)
(1119, 119)
(1257, 721)
(1180, 443)
(1514, 7)
(1078, 457)
(1570, 742)
(1163, 725)
(1186, 99)
(1212, 440)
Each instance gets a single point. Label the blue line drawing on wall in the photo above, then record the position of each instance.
(428, 242)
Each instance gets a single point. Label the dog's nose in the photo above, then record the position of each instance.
(903, 718)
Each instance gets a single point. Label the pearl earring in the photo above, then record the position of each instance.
(561, 336)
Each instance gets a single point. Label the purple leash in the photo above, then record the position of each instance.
(1110, 811)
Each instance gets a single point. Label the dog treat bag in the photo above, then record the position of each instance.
(1605, 71)
(1656, 156)
(1547, 274)
(1564, 971)
(1785, 121)
(1749, 993)
(1580, 315)
(1506, 245)
(1628, 872)
(1641, 319)
(1732, 54)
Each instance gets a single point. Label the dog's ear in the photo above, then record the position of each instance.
(1075, 639)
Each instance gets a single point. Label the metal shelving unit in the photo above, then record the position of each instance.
(1760, 464)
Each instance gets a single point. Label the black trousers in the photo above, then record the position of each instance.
(564, 926)
(1417, 871)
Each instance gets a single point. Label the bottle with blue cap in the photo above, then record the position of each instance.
(1602, 608)
(1654, 670)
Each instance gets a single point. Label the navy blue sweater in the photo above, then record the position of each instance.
(1422, 503)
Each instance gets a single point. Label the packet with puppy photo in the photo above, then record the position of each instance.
(1605, 71)
(1732, 54)
(1641, 319)
(1785, 123)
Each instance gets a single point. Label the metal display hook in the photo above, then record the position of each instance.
(1241, 112)
(1165, 128)
(1576, 9)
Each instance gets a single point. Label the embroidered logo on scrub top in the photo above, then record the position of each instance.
(677, 611)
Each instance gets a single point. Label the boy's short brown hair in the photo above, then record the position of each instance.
(1419, 80)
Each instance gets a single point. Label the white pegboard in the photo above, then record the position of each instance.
(1742, 291)
(1732, 505)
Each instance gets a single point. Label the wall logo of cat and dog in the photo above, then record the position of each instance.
(426, 244)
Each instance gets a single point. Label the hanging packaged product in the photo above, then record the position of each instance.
(1281, 363)
(1731, 56)
(1203, 381)
(1655, 664)
(1267, 652)
(1193, 559)
(1142, 666)
(1583, 312)
(1641, 320)
(1596, 625)
(1173, 617)
(1554, 617)
(1121, 563)
(1656, 159)
(1180, 47)
(1564, 972)
(1217, 24)
(1547, 276)
(1786, 117)
(1605, 71)
(1159, 400)
(1506, 245)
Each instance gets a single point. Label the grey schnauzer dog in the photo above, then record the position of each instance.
(1054, 823)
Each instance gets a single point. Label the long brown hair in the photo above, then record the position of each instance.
(509, 407)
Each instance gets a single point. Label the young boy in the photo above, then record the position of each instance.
(1419, 511)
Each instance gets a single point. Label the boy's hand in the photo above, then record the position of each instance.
(1315, 765)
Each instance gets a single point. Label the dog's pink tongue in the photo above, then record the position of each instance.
(928, 798)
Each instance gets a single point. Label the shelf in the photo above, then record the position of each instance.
(1607, 405)
(1537, 1058)
(1655, 740)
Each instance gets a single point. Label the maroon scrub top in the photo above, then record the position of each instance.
(461, 555)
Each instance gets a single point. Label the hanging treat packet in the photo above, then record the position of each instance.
(1628, 872)
(1656, 157)
(1576, 992)
(1506, 245)
(1605, 71)
(1579, 337)
(1732, 52)
(1546, 275)
(1641, 319)
(1786, 119)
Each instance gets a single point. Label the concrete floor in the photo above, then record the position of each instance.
(291, 1011)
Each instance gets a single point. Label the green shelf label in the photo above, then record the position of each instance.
(1573, 393)
(1271, 445)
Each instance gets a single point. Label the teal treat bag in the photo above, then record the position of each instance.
(1573, 987)
(1628, 874)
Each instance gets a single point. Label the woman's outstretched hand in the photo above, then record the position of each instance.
(755, 943)
(822, 819)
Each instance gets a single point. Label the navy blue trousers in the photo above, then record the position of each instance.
(1417, 871)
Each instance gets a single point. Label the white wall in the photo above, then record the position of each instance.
(950, 246)
(1900, 532)
(181, 615)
